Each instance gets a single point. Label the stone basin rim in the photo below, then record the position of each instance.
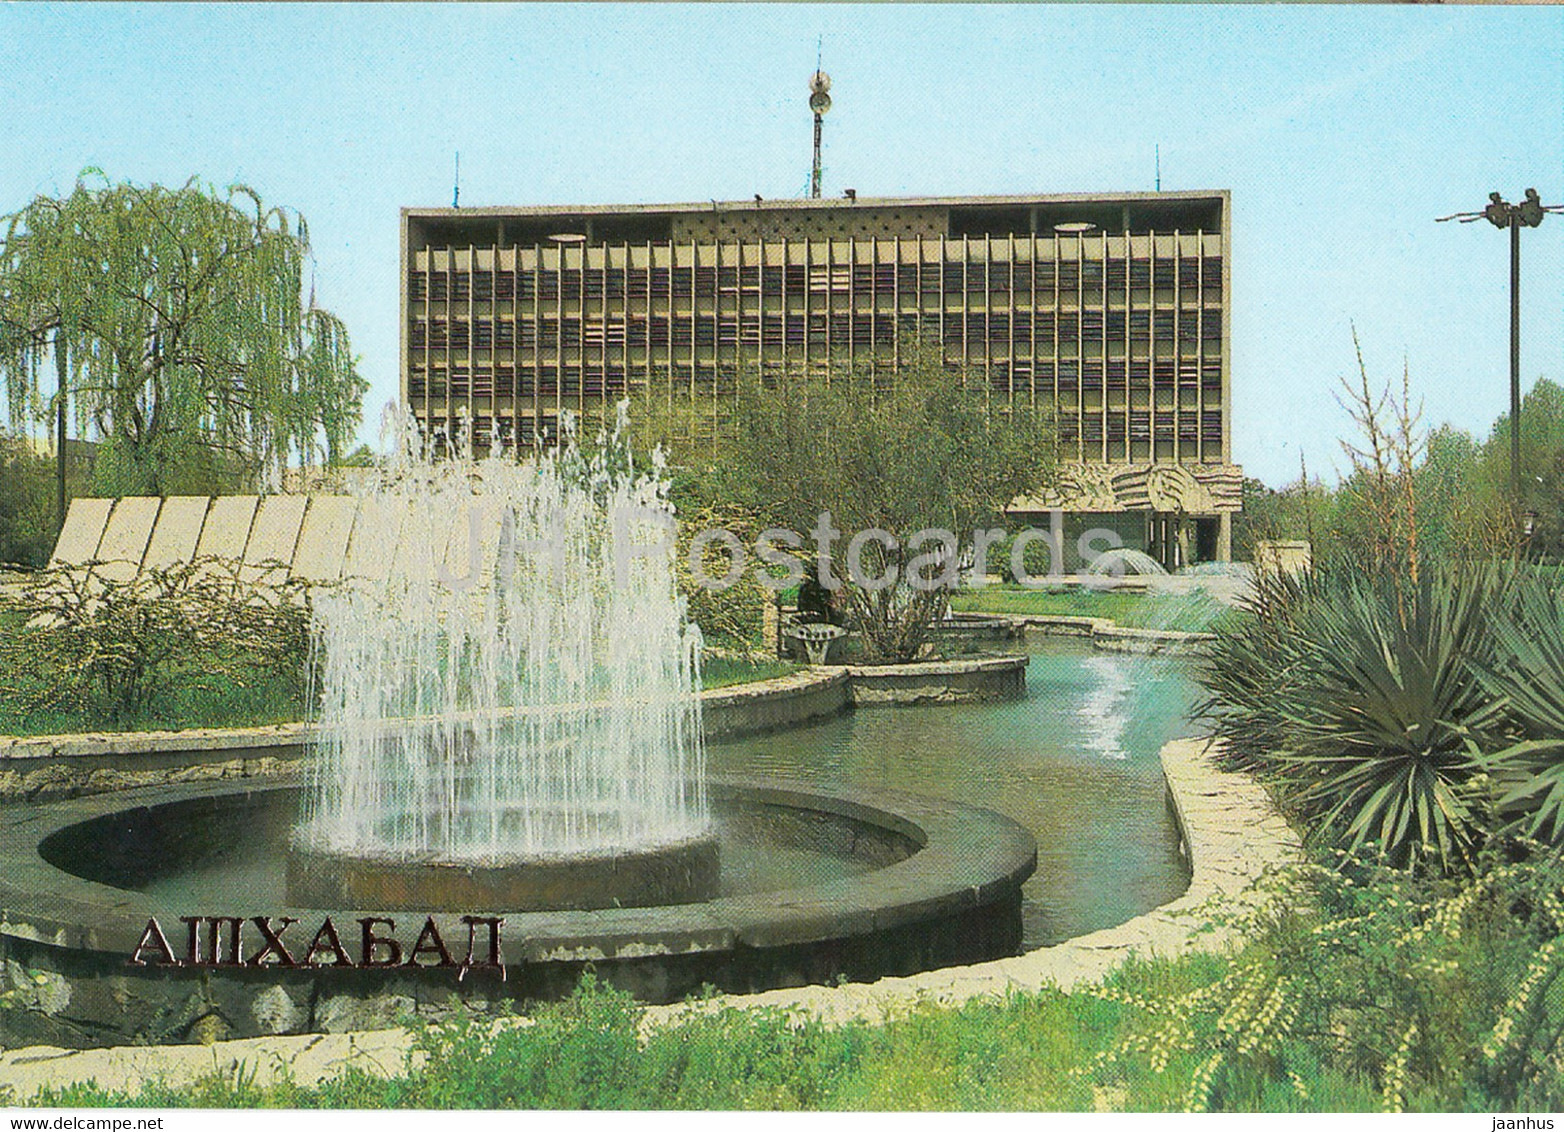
(967, 858)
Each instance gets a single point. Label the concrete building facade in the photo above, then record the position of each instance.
(1112, 308)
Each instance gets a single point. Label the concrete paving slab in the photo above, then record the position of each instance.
(273, 538)
(323, 539)
(227, 527)
(377, 528)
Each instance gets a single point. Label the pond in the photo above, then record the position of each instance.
(1076, 762)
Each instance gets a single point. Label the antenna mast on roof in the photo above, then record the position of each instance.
(819, 102)
(456, 185)
(1159, 168)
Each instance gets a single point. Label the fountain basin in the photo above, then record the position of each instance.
(676, 873)
(928, 883)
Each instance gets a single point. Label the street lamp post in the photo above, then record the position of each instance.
(1502, 214)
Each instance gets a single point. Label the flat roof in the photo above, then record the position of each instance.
(807, 204)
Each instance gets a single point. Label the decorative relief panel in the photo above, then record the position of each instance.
(1199, 489)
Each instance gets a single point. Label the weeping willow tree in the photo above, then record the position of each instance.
(174, 320)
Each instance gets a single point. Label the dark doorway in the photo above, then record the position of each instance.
(1206, 531)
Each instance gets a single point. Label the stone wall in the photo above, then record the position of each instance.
(1110, 636)
(768, 705)
(54, 766)
(940, 682)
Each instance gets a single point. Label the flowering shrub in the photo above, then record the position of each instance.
(1360, 982)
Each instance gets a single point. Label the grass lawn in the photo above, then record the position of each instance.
(1195, 612)
(258, 703)
(721, 672)
(200, 700)
(1041, 1051)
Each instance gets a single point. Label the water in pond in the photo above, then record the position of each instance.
(760, 852)
(1076, 762)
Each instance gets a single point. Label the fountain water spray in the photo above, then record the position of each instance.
(508, 692)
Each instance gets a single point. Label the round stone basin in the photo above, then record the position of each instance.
(677, 872)
(816, 885)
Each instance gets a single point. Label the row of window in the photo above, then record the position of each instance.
(526, 432)
(1089, 430)
(1114, 375)
(864, 330)
(880, 279)
(1094, 429)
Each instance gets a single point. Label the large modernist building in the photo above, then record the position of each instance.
(1113, 308)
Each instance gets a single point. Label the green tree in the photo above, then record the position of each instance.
(174, 318)
(1450, 527)
(901, 449)
(1542, 439)
(1274, 514)
(1547, 540)
(27, 520)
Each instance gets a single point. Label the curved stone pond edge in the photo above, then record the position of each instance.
(45, 766)
(1109, 636)
(50, 766)
(1232, 833)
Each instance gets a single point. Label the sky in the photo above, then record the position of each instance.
(1342, 131)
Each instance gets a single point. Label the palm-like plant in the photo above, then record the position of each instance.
(1527, 671)
(1358, 695)
(1249, 667)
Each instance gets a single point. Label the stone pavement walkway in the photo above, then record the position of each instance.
(1232, 833)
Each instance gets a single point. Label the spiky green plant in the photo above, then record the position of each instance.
(1358, 695)
(1249, 667)
(1527, 671)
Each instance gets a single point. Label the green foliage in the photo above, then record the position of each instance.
(174, 318)
(719, 671)
(361, 457)
(29, 519)
(1358, 695)
(1542, 445)
(580, 1053)
(1460, 489)
(730, 617)
(1365, 988)
(1547, 539)
(899, 448)
(1527, 672)
(90, 642)
(1449, 527)
(1036, 559)
(1269, 515)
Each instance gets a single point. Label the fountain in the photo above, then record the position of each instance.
(1123, 560)
(509, 736)
(508, 713)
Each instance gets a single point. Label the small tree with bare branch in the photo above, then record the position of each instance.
(1384, 461)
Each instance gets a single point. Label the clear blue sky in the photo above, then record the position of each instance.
(1342, 131)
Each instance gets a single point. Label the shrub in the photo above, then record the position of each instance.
(29, 520)
(105, 647)
(1360, 698)
(730, 617)
(1362, 987)
(1527, 672)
